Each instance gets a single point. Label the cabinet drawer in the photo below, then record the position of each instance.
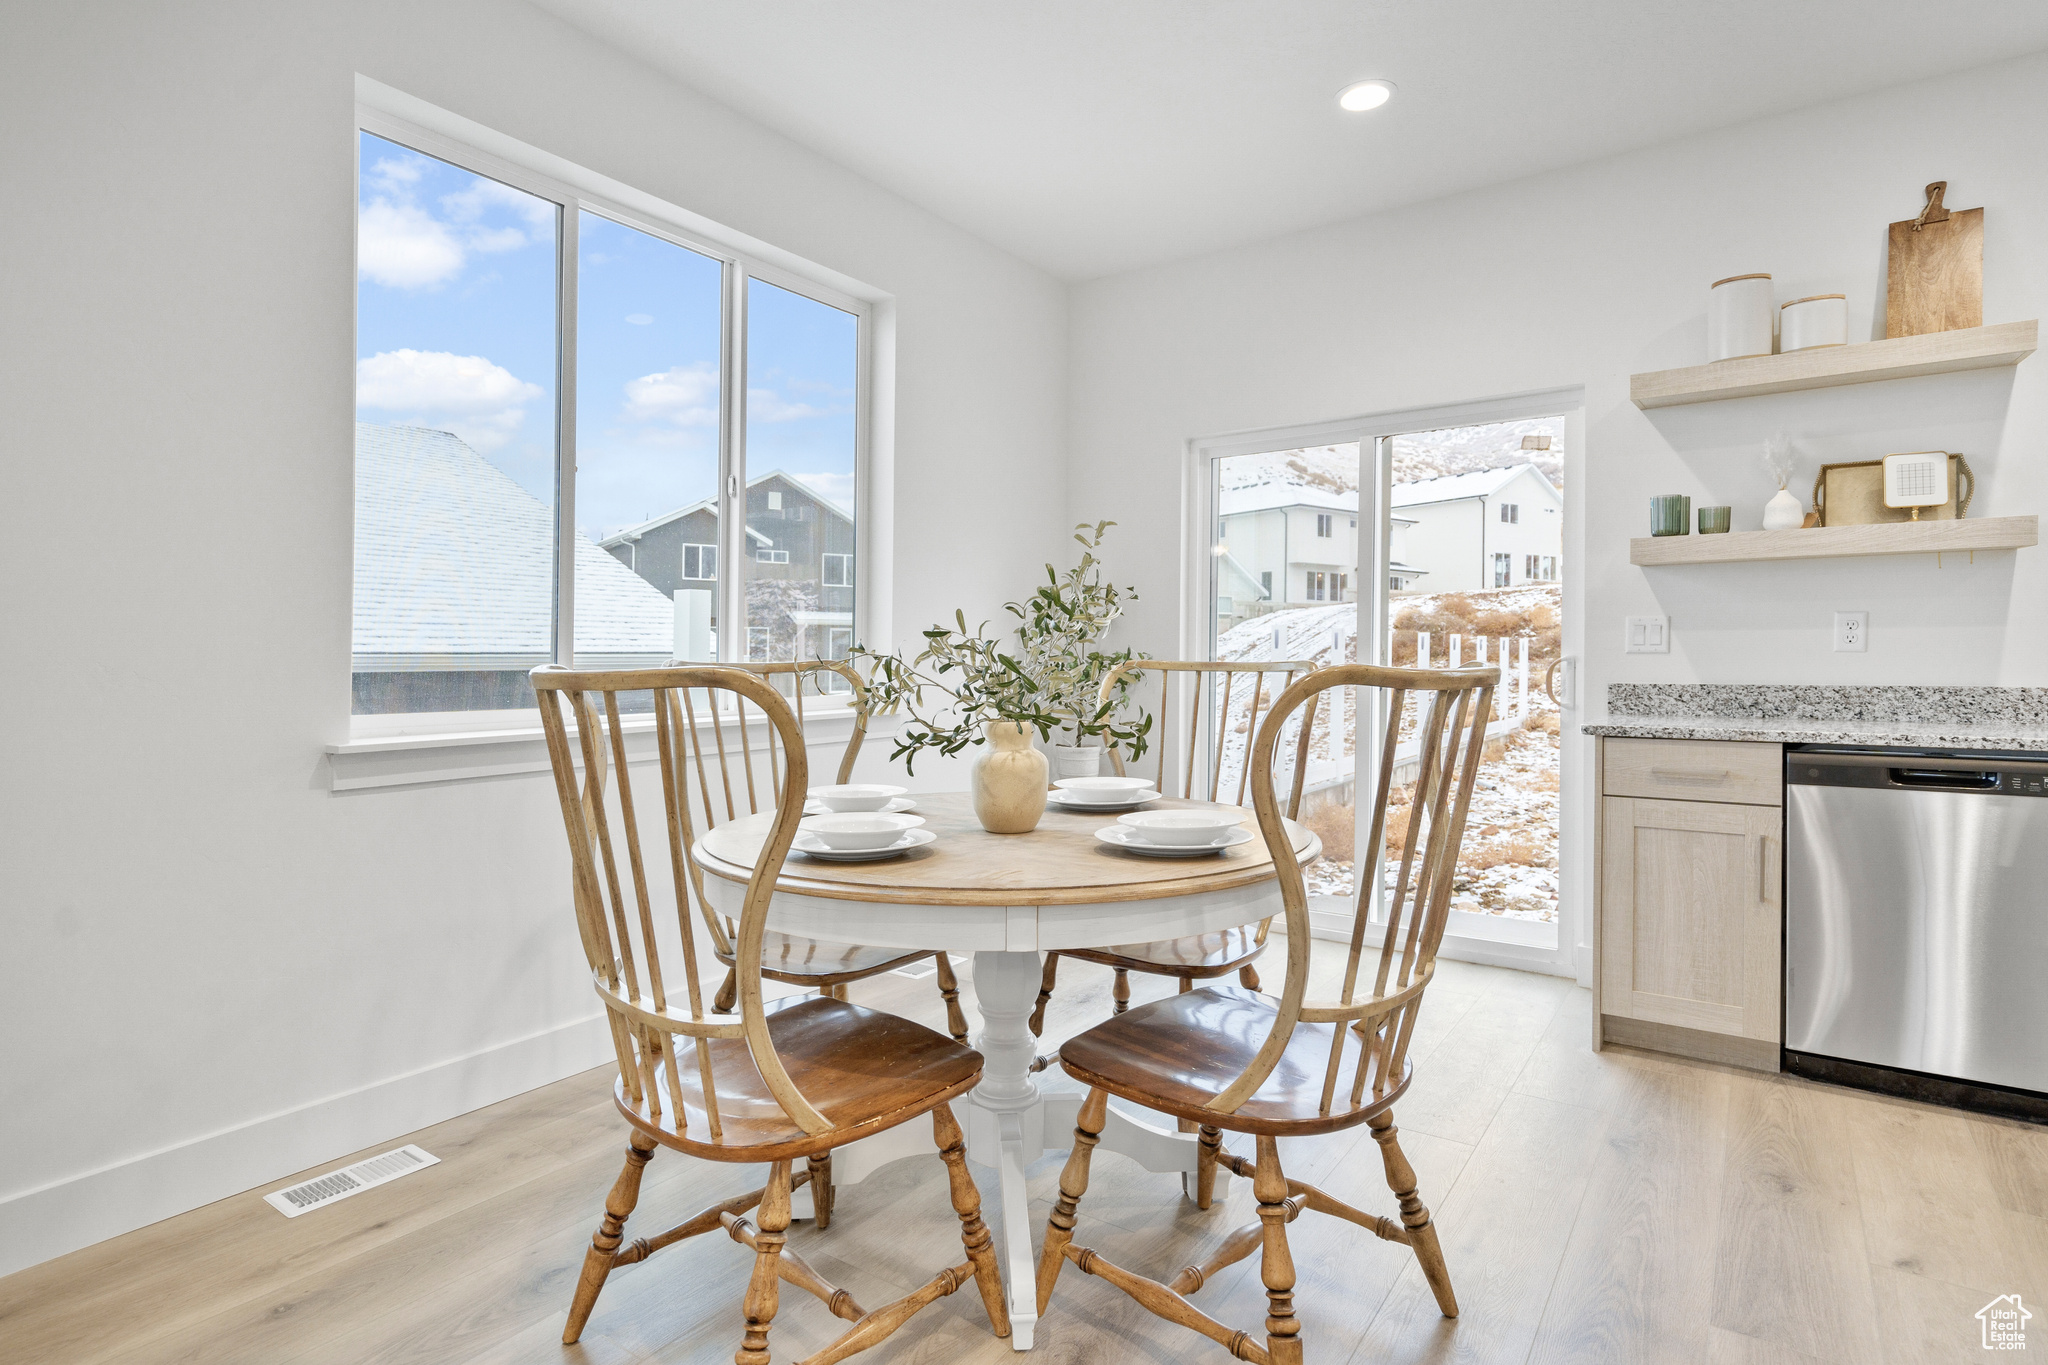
(1748, 774)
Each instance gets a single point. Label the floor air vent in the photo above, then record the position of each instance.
(322, 1190)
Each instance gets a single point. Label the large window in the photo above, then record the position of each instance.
(560, 438)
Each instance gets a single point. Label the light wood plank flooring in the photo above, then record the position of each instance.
(1613, 1208)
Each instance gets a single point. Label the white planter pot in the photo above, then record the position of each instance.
(1784, 512)
(1070, 760)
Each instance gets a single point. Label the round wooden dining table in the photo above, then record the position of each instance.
(1009, 899)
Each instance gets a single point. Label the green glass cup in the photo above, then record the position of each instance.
(1714, 520)
(1670, 515)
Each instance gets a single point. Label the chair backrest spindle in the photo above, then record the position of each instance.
(1221, 676)
(649, 1029)
(1448, 754)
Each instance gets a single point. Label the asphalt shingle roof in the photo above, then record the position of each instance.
(454, 561)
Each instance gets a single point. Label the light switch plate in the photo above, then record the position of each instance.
(1646, 635)
(1852, 632)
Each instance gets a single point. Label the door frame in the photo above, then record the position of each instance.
(1578, 812)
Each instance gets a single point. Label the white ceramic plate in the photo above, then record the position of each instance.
(1196, 827)
(812, 847)
(857, 797)
(1054, 798)
(1123, 837)
(897, 806)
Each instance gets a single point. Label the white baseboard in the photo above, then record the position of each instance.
(46, 1222)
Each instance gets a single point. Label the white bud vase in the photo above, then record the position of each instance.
(1784, 512)
(1007, 780)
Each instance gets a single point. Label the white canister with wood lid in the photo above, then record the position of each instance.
(1820, 320)
(1740, 313)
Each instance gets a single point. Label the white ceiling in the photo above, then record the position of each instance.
(1094, 136)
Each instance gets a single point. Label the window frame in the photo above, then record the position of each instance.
(683, 562)
(845, 579)
(738, 268)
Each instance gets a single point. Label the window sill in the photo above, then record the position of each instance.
(473, 755)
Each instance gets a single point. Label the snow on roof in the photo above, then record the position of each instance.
(1480, 483)
(454, 565)
(635, 532)
(1267, 497)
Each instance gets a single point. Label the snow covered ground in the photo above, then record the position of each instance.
(1508, 865)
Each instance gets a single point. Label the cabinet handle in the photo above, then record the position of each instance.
(1763, 864)
(1696, 776)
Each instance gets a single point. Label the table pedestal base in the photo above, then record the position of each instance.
(1010, 1124)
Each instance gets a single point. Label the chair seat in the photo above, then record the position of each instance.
(1197, 955)
(1177, 1054)
(799, 961)
(863, 1069)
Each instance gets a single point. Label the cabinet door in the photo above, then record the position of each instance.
(1690, 919)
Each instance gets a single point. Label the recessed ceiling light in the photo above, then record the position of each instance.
(1365, 95)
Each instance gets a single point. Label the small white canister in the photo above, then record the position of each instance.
(1739, 317)
(1821, 320)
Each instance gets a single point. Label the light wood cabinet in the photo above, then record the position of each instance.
(1690, 914)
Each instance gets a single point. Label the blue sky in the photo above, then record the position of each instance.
(455, 328)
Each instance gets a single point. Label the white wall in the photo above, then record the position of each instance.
(1582, 277)
(216, 971)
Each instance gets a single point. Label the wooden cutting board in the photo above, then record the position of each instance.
(1935, 277)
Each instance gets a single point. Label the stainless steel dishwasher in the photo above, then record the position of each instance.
(1916, 923)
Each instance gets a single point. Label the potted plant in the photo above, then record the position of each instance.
(963, 689)
(1059, 640)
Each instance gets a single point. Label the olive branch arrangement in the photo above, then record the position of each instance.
(1049, 684)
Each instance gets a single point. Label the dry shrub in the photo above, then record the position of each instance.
(1542, 722)
(1497, 622)
(1520, 851)
(1334, 826)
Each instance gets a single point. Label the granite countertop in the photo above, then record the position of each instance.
(2010, 718)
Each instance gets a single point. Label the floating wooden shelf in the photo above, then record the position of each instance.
(1834, 542)
(1969, 348)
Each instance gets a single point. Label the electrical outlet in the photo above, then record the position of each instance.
(1852, 632)
(1647, 635)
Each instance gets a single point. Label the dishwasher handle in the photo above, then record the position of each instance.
(1945, 779)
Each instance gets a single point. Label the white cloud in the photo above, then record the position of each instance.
(765, 405)
(834, 487)
(478, 400)
(469, 204)
(405, 248)
(686, 396)
(496, 239)
(639, 319)
(394, 174)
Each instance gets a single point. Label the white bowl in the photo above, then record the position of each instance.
(855, 830)
(1180, 826)
(1109, 791)
(855, 796)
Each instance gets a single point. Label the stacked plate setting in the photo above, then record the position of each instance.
(1177, 833)
(857, 796)
(1106, 795)
(860, 836)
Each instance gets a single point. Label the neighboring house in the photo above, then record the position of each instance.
(1495, 528)
(454, 582)
(1401, 574)
(799, 570)
(1297, 543)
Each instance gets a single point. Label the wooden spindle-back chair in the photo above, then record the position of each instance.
(1198, 957)
(1227, 1058)
(793, 959)
(786, 1080)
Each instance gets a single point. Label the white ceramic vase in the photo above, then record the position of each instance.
(1008, 780)
(1784, 512)
(1076, 760)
